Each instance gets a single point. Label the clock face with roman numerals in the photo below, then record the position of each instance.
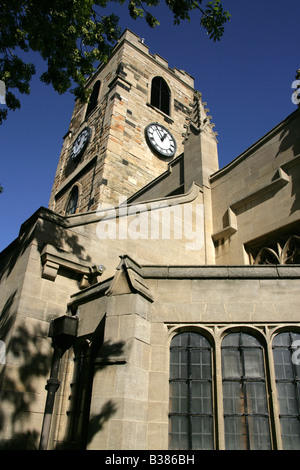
(80, 143)
(161, 140)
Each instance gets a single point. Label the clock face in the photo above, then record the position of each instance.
(80, 143)
(161, 140)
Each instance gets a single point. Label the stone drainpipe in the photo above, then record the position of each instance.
(63, 331)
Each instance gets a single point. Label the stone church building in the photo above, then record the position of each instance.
(155, 303)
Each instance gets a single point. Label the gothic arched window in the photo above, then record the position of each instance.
(287, 376)
(191, 404)
(93, 99)
(72, 201)
(160, 95)
(246, 417)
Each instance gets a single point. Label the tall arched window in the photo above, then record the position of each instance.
(191, 406)
(93, 99)
(287, 374)
(246, 417)
(160, 95)
(72, 201)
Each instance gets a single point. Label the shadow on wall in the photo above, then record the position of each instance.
(43, 227)
(290, 140)
(96, 422)
(27, 349)
(84, 423)
(107, 355)
(27, 360)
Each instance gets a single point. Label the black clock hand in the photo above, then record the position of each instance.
(159, 133)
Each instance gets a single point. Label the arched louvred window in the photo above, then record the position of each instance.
(246, 417)
(287, 375)
(93, 99)
(72, 201)
(160, 95)
(191, 423)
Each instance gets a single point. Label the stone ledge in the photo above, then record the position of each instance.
(53, 259)
(221, 272)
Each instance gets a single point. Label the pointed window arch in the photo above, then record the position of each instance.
(93, 99)
(160, 95)
(72, 201)
(246, 416)
(191, 421)
(287, 375)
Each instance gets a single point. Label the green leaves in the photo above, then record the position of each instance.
(213, 17)
(213, 20)
(68, 34)
(73, 37)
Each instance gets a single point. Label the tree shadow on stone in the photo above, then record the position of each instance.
(84, 421)
(27, 363)
(106, 355)
(44, 227)
(97, 422)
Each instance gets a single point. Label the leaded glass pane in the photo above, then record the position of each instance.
(235, 433)
(256, 398)
(231, 340)
(178, 433)
(191, 406)
(180, 340)
(286, 393)
(244, 393)
(201, 363)
(253, 363)
(283, 339)
(290, 432)
(233, 398)
(287, 372)
(198, 341)
(249, 340)
(259, 433)
(231, 363)
(202, 433)
(178, 366)
(178, 397)
(201, 398)
(283, 364)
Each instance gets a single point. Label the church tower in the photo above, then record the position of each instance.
(128, 133)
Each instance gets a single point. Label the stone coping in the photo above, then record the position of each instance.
(254, 147)
(240, 272)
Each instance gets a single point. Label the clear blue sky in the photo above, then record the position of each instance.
(245, 79)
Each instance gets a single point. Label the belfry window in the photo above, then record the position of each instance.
(287, 375)
(191, 405)
(93, 99)
(160, 95)
(246, 417)
(72, 201)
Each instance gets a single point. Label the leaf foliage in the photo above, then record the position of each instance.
(73, 36)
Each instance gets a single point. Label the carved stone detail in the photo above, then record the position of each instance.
(289, 253)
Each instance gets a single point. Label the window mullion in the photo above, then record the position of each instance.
(244, 393)
(189, 384)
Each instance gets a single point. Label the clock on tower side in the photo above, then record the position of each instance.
(107, 154)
